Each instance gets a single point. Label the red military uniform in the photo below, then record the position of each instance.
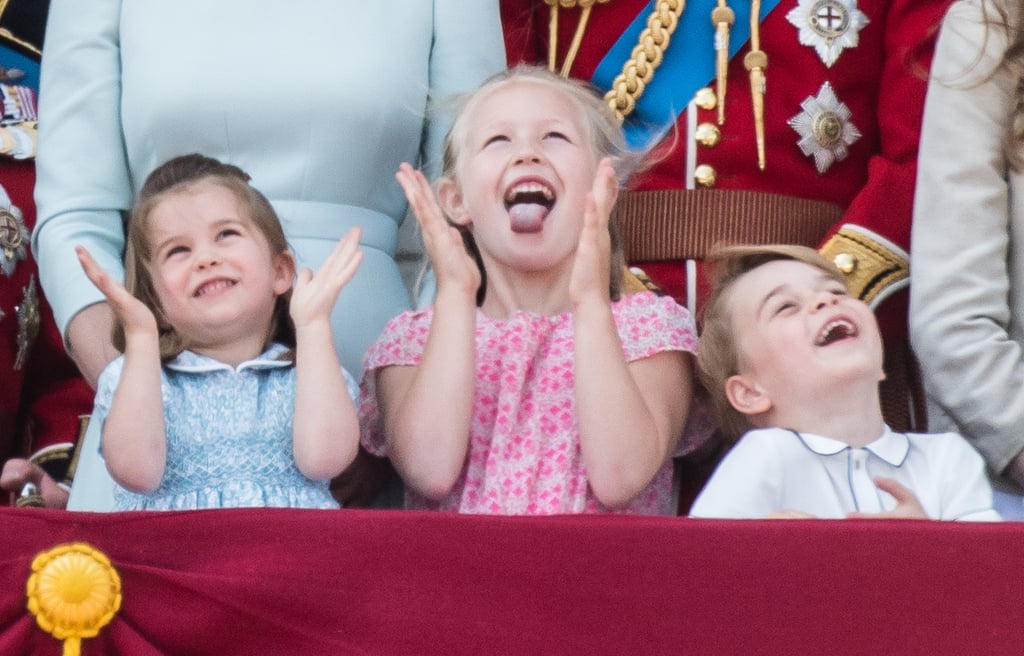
(842, 103)
(42, 395)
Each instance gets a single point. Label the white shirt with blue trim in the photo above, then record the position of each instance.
(773, 469)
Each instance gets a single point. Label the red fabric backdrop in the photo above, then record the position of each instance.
(390, 582)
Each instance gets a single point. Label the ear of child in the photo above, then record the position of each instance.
(746, 395)
(284, 272)
(449, 198)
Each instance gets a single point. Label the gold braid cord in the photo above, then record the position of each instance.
(577, 38)
(646, 57)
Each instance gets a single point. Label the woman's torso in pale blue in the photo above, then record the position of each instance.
(318, 100)
(229, 436)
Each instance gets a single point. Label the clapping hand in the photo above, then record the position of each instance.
(454, 267)
(591, 269)
(314, 296)
(135, 317)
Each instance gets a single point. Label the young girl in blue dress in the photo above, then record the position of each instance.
(229, 392)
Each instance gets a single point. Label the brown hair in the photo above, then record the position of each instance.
(606, 140)
(718, 355)
(175, 176)
(1013, 60)
(1000, 16)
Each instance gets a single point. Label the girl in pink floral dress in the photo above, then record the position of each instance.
(531, 386)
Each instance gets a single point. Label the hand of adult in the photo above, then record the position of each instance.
(89, 342)
(18, 472)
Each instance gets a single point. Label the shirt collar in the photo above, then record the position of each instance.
(890, 446)
(192, 362)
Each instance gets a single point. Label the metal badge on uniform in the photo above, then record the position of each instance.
(14, 236)
(28, 323)
(19, 125)
(19, 104)
(824, 127)
(828, 26)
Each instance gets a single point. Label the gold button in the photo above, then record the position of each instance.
(705, 98)
(708, 135)
(705, 175)
(845, 262)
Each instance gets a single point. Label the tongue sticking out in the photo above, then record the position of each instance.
(527, 217)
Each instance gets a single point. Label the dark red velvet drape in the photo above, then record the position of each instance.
(390, 582)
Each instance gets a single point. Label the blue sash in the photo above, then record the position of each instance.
(9, 58)
(678, 78)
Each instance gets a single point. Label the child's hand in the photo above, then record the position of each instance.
(907, 505)
(591, 272)
(137, 319)
(453, 265)
(314, 297)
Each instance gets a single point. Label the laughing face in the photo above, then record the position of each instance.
(799, 331)
(526, 162)
(212, 268)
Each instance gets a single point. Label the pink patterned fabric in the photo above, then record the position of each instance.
(524, 453)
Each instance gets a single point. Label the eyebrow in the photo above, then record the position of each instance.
(823, 278)
(158, 248)
(505, 125)
(768, 297)
(216, 224)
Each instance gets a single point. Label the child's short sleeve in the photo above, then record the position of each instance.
(400, 344)
(961, 480)
(650, 324)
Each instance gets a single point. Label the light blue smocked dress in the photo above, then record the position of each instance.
(229, 435)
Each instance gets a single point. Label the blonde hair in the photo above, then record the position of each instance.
(603, 129)
(176, 176)
(718, 355)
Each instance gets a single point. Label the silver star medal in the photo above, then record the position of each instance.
(824, 127)
(13, 235)
(828, 26)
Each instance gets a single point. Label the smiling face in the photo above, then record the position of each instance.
(799, 334)
(526, 161)
(212, 269)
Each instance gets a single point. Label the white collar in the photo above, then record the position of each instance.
(192, 362)
(890, 446)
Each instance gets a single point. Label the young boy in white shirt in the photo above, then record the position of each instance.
(787, 352)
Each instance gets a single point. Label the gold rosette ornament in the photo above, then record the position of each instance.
(73, 591)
